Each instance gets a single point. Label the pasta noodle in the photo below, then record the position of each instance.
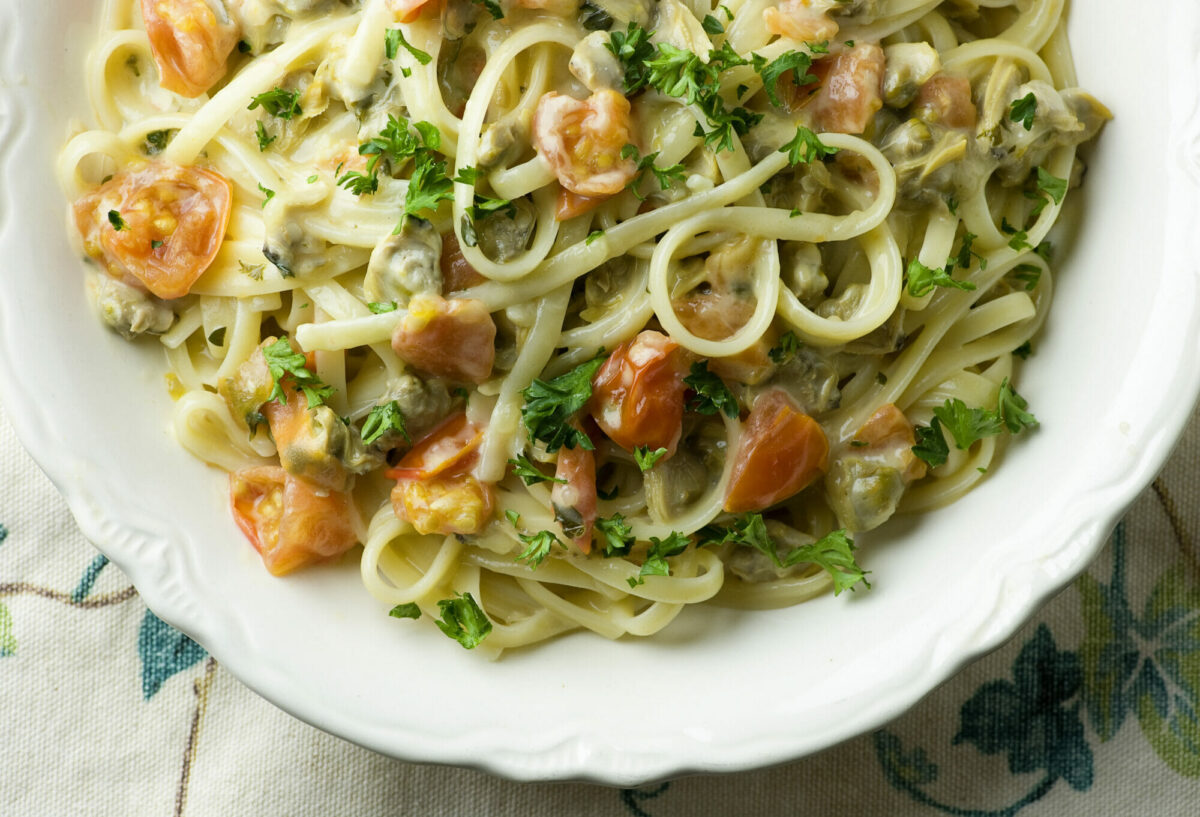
(577, 313)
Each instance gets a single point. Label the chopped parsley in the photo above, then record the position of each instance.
(382, 307)
(712, 25)
(550, 404)
(118, 223)
(833, 552)
(922, 279)
(806, 147)
(787, 348)
(592, 236)
(278, 102)
(632, 48)
(795, 61)
(1024, 350)
(646, 458)
(463, 620)
(1023, 110)
(1028, 274)
(410, 610)
(268, 194)
(656, 557)
(969, 425)
(931, 443)
(537, 547)
(1011, 407)
(618, 536)
(381, 420)
(264, 139)
(282, 360)
(666, 175)
(156, 142)
(1049, 188)
(711, 393)
(529, 473)
(394, 40)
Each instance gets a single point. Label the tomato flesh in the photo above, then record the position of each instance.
(575, 501)
(452, 338)
(781, 452)
(190, 45)
(289, 522)
(637, 396)
(170, 222)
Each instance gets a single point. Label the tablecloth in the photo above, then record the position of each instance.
(1091, 709)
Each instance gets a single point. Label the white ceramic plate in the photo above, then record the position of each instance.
(1113, 381)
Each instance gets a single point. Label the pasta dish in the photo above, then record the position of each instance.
(573, 313)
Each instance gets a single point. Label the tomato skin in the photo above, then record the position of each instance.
(582, 141)
(578, 496)
(637, 396)
(289, 522)
(452, 338)
(571, 204)
(434, 490)
(186, 209)
(801, 20)
(407, 10)
(447, 449)
(781, 452)
(190, 45)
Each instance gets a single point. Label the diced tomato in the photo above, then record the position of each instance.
(289, 522)
(575, 501)
(802, 20)
(582, 141)
(452, 338)
(571, 204)
(448, 449)
(434, 491)
(190, 44)
(157, 227)
(637, 396)
(851, 89)
(406, 10)
(781, 452)
(456, 503)
(301, 442)
(457, 272)
(947, 100)
(888, 431)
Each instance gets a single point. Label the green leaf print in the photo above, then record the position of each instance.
(8, 642)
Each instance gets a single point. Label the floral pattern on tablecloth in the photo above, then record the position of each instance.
(1091, 709)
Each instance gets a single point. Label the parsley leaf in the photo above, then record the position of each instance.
(646, 458)
(1024, 350)
(1023, 110)
(795, 61)
(1010, 407)
(592, 236)
(537, 547)
(118, 223)
(381, 420)
(268, 194)
(529, 473)
(787, 348)
(394, 39)
(549, 404)
(379, 308)
(428, 186)
(712, 395)
(278, 102)
(931, 444)
(463, 620)
(712, 25)
(1051, 185)
(264, 139)
(618, 536)
(656, 558)
(1028, 274)
(833, 553)
(156, 141)
(806, 147)
(922, 279)
(966, 252)
(967, 425)
(632, 48)
(283, 360)
(410, 610)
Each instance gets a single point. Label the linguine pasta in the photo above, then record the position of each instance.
(574, 314)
